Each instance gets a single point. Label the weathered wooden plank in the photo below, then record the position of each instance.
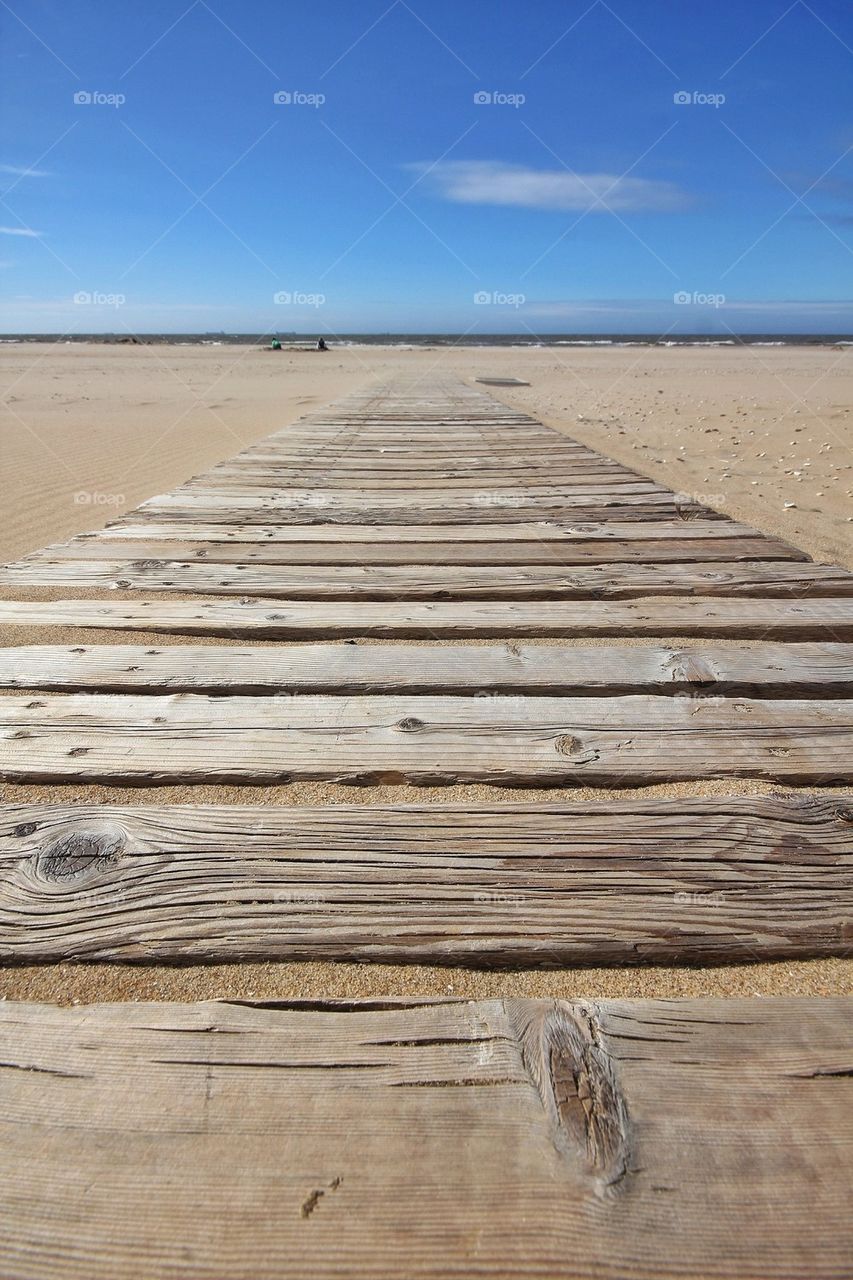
(344, 482)
(200, 495)
(500, 739)
(430, 552)
(360, 453)
(764, 619)
(379, 461)
(768, 670)
(691, 881)
(314, 453)
(437, 582)
(309, 506)
(599, 1140)
(102, 559)
(124, 530)
(198, 501)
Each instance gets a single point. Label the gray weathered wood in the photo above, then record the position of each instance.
(298, 506)
(690, 881)
(764, 619)
(606, 1140)
(359, 581)
(499, 739)
(765, 670)
(124, 532)
(309, 507)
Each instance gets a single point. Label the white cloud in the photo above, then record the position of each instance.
(792, 305)
(495, 183)
(19, 231)
(19, 171)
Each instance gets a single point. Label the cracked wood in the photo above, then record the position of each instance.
(689, 881)
(580, 1140)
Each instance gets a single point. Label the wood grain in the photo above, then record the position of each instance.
(390, 1139)
(439, 582)
(429, 552)
(500, 739)
(764, 670)
(124, 532)
(311, 505)
(747, 618)
(687, 882)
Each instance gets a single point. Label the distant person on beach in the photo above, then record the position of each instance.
(321, 344)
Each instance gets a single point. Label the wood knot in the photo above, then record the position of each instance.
(410, 724)
(572, 747)
(577, 1084)
(79, 854)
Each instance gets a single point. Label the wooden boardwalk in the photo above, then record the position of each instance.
(577, 625)
(436, 515)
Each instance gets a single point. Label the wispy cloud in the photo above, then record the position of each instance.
(494, 183)
(20, 231)
(19, 171)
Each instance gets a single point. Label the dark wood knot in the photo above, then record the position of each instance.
(410, 724)
(79, 854)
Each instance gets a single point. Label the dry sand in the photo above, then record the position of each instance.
(89, 431)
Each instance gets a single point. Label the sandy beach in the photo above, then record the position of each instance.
(88, 431)
(760, 433)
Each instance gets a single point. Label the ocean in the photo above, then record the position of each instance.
(412, 340)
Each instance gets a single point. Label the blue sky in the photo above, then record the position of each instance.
(640, 165)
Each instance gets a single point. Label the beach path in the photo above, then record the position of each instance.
(420, 585)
